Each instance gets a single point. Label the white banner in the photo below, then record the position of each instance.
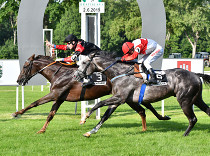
(9, 72)
(193, 65)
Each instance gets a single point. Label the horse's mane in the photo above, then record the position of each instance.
(107, 54)
(111, 56)
(44, 58)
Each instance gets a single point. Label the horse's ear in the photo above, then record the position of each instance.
(33, 56)
(92, 55)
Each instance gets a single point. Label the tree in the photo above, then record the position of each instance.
(9, 11)
(55, 10)
(70, 23)
(9, 51)
(190, 18)
(5, 32)
(120, 23)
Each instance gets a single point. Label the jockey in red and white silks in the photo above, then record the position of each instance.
(149, 48)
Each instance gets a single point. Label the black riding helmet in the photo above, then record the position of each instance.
(70, 38)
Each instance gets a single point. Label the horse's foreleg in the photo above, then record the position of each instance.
(47, 98)
(114, 100)
(54, 109)
(106, 115)
(151, 108)
(141, 111)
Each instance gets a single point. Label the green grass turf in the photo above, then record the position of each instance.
(206, 68)
(120, 135)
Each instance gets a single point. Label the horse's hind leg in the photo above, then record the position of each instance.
(141, 111)
(54, 109)
(202, 105)
(106, 115)
(151, 108)
(188, 111)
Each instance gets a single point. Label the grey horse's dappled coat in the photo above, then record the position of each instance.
(184, 85)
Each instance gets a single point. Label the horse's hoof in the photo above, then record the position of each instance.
(14, 115)
(167, 117)
(40, 132)
(144, 130)
(87, 134)
(82, 122)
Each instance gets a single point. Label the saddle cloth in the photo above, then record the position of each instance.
(99, 78)
(160, 75)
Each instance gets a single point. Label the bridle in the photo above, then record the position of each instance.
(28, 74)
(81, 74)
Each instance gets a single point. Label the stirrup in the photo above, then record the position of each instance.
(154, 81)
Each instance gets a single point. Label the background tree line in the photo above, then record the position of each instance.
(187, 25)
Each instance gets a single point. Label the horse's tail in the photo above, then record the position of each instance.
(206, 80)
(205, 77)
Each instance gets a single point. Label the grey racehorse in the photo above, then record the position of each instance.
(184, 85)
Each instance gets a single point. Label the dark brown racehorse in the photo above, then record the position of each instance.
(65, 88)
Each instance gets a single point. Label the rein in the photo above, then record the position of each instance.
(50, 65)
(42, 69)
(126, 74)
(91, 58)
(109, 66)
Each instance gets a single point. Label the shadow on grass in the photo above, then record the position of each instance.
(46, 114)
(160, 126)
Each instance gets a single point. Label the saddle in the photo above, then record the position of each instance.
(98, 78)
(137, 71)
(160, 75)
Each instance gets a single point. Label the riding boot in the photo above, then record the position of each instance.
(153, 78)
(87, 82)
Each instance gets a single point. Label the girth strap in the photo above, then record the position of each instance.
(141, 95)
(82, 95)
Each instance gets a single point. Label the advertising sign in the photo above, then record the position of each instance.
(91, 6)
(184, 65)
(193, 65)
(9, 72)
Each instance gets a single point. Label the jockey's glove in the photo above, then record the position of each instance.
(73, 57)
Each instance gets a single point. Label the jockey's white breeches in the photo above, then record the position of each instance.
(153, 52)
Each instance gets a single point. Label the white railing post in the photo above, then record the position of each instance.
(162, 107)
(17, 99)
(22, 97)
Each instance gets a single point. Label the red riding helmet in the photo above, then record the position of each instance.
(127, 47)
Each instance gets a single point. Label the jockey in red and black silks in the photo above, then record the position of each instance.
(149, 48)
(78, 45)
